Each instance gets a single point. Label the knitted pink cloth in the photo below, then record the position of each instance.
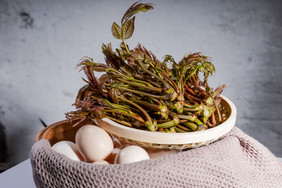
(235, 161)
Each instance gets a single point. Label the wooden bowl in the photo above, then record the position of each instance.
(59, 131)
(63, 130)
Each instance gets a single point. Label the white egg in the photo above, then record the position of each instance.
(131, 154)
(68, 149)
(156, 153)
(100, 162)
(94, 143)
(116, 150)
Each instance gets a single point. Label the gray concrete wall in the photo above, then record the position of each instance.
(42, 41)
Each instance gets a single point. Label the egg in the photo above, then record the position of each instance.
(131, 154)
(100, 162)
(94, 143)
(68, 149)
(156, 153)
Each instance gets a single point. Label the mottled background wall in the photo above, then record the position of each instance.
(42, 41)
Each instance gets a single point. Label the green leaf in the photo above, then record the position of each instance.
(116, 31)
(122, 46)
(115, 61)
(168, 58)
(209, 66)
(128, 28)
(206, 67)
(169, 61)
(134, 9)
(122, 54)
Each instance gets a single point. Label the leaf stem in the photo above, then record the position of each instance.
(123, 40)
(140, 85)
(119, 121)
(154, 75)
(191, 117)
(134, 116)
(163, 97)
(138, 107)
(167, 124)
(217, 109)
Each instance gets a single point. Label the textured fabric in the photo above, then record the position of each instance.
(234, 161)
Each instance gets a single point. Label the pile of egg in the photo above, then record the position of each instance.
(94, 145)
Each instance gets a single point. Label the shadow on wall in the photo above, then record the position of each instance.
(3, 150)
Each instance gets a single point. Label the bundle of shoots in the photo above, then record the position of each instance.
(139, 91)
